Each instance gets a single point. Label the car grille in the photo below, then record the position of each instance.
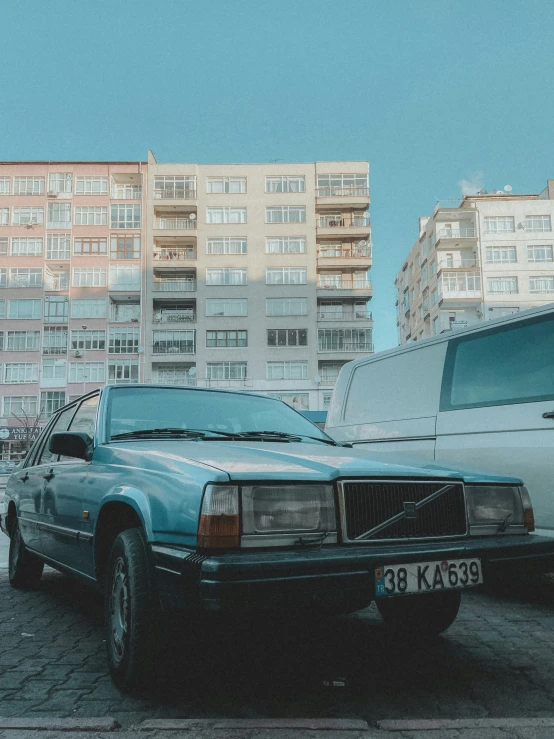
(378, 510)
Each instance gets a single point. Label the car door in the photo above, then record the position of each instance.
(67, 531)
(497, 406)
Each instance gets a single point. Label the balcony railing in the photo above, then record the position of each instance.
(344, 284)
(54, 349)
(176, 224)
(356, 252)
(342, 221)
(160, 194)
(173, 347)
(332, 380)
(457, 263)
(344, 346)
(456, 233)
(174, 316)
(173, 255)
(22, 282)
(57, 284)
(126, 192)
(164, 380)
(339, 315)
(445, 294)
(169, 285)
(333, 192)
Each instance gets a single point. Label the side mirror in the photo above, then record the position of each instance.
(70, 444)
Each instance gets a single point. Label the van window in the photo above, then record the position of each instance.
(508, 364)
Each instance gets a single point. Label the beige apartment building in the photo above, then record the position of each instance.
(483, 257)
(249, 276)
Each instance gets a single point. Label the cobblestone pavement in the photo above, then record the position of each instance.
(495, 661)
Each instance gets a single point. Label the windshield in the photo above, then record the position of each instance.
(140, 408)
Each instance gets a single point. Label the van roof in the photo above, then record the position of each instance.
(475, 328)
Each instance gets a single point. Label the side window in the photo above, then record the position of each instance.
(60, 424)
(85, 418)
(510, 364)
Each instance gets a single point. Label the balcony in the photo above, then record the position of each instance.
(345, 224)
(126, 192)
(342, 347)
(456, 263)
(173, 194)
(352, 255)
(362, 286)
(446, 236)
(178, 254)
(56, 283)
(460, 296)
(355, 195)
(175, 224)
(184, 346)
(344, 316)
(174, 316)
(173, 284)
(54, 350)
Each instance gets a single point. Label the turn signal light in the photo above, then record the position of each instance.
(528, 515)
(219, 525)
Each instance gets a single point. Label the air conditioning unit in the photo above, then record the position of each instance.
(134, 320)
(51, 194)
(77, 354)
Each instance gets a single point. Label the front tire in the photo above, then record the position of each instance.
(24, 568)
(420, 615)
(130, 611)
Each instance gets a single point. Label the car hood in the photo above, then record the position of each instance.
(278, 461)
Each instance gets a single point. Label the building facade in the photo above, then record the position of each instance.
(484, 257)
(252, 277)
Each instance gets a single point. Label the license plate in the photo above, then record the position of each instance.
(427, 577)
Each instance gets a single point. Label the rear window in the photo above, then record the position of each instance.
(508, 364)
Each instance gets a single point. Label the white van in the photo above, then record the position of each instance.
(482, 398)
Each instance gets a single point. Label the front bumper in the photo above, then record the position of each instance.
(338, 577)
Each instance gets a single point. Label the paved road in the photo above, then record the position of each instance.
(496, 661)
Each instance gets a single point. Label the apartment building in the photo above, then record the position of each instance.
(252, 277)
(485, 256)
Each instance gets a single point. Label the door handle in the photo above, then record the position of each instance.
(549, 414)
(49, 475)
(25, 477)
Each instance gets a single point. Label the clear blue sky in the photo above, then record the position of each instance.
(431, 92)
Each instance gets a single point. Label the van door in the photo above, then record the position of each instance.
(497, 405)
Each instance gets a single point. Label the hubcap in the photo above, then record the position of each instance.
(119, 608)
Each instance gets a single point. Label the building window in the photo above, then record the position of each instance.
(91, 186)
(25, 277)
(287, 337)
(21, 372)
(538, 223)
(2, 308)
(85, 308)
(88, 339)
(226, 307)
(298, 401)
(286, 245)
(19, 406)
(124, 312)
(3, 278)
(54, 340)
(502, 285)
(329, 185)
(87, 372)
(123, 371)
(176, 374)
(226, 371)
(4, 216)
(433, 268)
(60, 182)
(290, 183)
(327, 401)
(174, 342)
(285, 214)
(501, 254)
(434, 297)
(286, 276)
(226, 246)
(58, 246)
(424, 273)
(59, 215)
(217, 339)
(4, 241)
(541, 284)
(91, 215)
(24, 309)
(287, 370)
(345, 340)
(124, 340)
(499, 224)
(125, 246)
(53, 372)
(125, 215)
(329, 372)
(28, 185)
(406, 301)
(539, 253)
(25, 216)
(51, 401)
(89, 277)
(286, 306)
(4, 185)
(225, 215)
(226, 184)
(23, 341)
(175, 186)
(226, 276)
(125, 277)
(26, 247)
(56, 309)
(90, 246)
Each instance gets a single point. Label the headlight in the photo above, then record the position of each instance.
(494, 505)
(288, 509)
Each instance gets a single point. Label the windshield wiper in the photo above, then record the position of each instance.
(288, 437)
(168, 432)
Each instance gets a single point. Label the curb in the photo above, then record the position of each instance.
(60, 724)
(315, 724)
(470, 723)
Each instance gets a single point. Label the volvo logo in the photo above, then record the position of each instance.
(410, 510)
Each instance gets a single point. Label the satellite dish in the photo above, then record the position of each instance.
(192, 372)
(192, 217)
(317, 379)
(507, 188)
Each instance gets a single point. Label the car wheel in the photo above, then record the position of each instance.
(130, 610)
(421, 615)
(24, 568)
